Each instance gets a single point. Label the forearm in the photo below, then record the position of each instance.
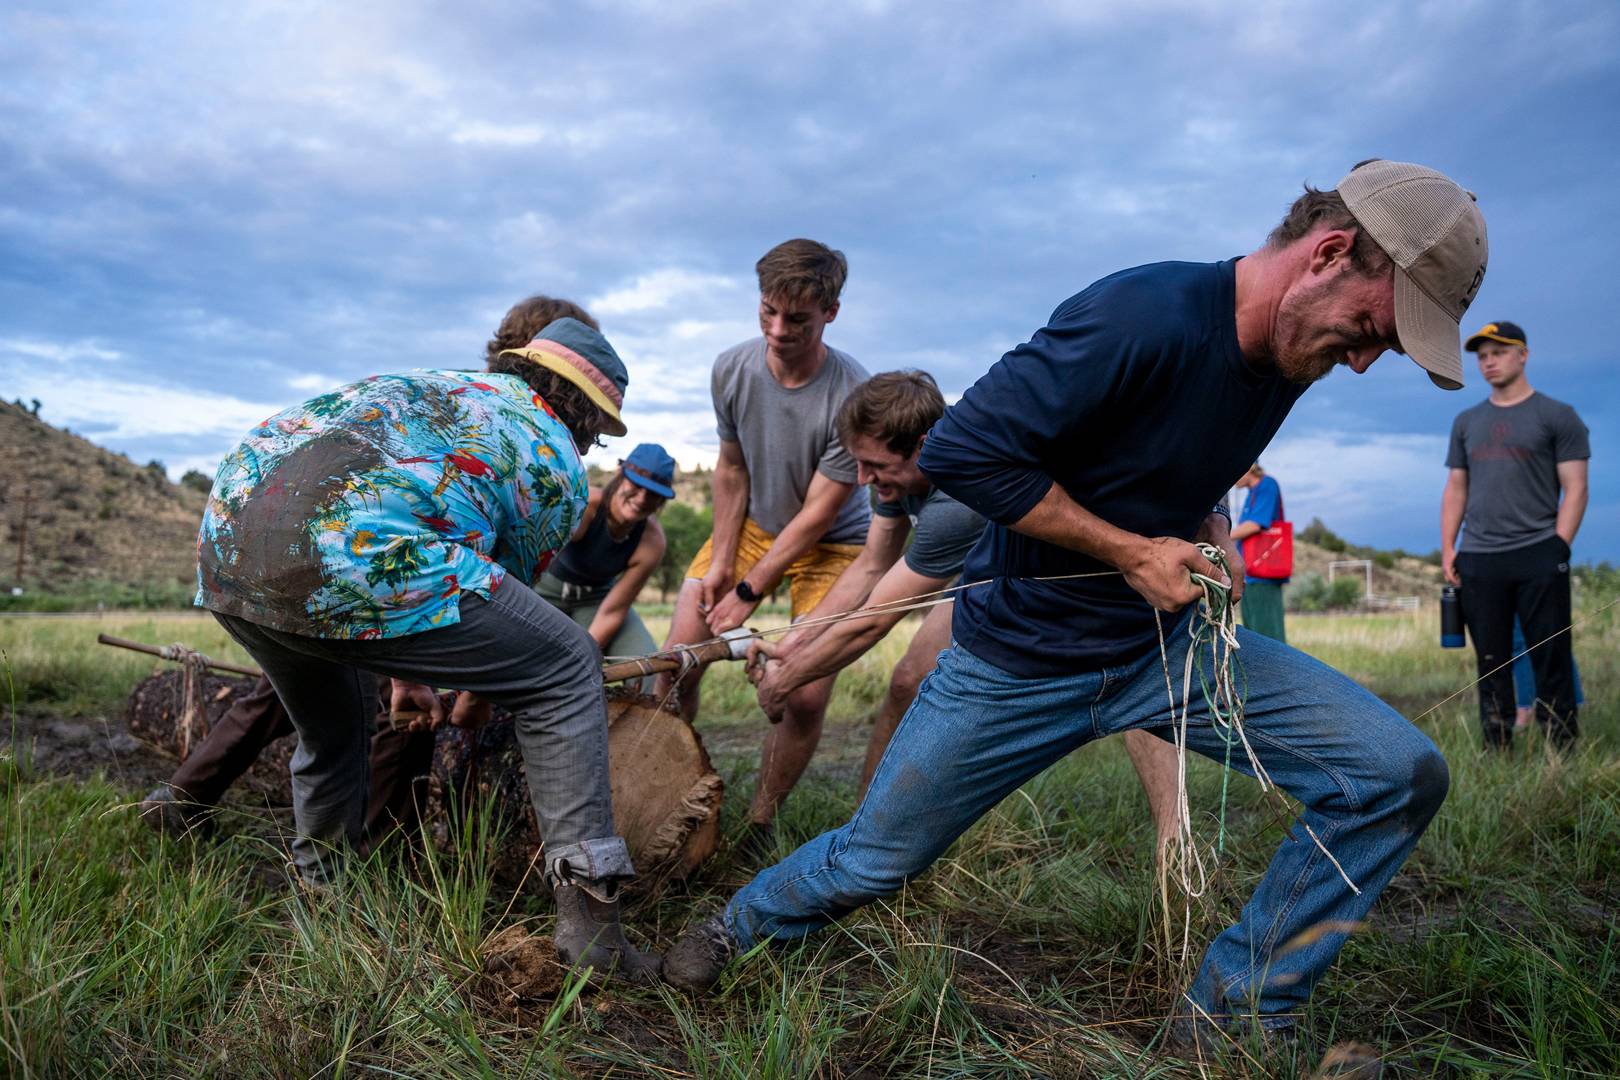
(606, 623)
(1058, 519)
(838, 646)
(848, 593)
(845, 641)
(1218, 530)
(1571, 511)
(1243, 530)
(1451, 519)
(729, 488)
(798, 537)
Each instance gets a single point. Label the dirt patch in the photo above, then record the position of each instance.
(82, 746)
(520, 969)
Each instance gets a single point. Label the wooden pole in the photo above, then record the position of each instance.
(670, 661)
(151, 650)
(22, 526)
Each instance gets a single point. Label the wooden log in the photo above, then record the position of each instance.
(666, 794)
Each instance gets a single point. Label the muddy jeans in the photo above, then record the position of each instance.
(514, 650)
(1368, 779)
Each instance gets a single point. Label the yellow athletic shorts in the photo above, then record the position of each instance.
(809, 578)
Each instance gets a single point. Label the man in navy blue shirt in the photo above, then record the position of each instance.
(1096, 450)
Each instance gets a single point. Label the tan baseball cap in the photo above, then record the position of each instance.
(1432, 230)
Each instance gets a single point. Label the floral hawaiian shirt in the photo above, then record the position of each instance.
(368, 511)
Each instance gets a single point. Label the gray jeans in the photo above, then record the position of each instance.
(515, 650)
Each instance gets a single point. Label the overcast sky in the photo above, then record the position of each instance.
(209, 212)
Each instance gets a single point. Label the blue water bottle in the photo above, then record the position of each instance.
(1451, 618)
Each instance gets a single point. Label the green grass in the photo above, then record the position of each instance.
(1032, 949)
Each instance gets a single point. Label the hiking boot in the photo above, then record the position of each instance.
(588, 934)
(1207, 1041)
(169, 816)
(1350, 1061)
(697, 958)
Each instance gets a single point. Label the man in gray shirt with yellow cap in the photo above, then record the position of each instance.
(1511, 457)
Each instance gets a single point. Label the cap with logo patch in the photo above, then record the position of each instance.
(1508, 333)
(1433, 232)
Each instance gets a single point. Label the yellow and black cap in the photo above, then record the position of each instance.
(1508, 333)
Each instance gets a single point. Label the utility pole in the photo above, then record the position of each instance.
(22, 527)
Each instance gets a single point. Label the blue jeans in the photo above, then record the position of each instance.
(1369, 781)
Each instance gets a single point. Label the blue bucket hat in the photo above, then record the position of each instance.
(650, 466)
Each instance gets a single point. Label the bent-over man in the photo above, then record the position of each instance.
(391, 527)
(1098, 447)
(882, 424)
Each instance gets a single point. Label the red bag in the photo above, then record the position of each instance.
(1269, 553)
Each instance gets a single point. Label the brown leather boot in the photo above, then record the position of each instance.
(588, 935)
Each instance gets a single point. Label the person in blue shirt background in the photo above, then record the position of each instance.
(1262, 606)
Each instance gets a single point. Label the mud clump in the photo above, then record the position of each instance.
(521, 968)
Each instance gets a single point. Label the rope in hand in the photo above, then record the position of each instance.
(1212, 653)
(904, 604)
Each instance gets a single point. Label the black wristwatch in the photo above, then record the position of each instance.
(747, 593)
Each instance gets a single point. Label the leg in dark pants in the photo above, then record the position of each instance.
(248, 726)
(1489, 600)
(400, 763)
(514, 650)
(333, 707)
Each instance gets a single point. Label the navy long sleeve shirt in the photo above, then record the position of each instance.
(1136, 400)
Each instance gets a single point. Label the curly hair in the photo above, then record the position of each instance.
(578, 413)
(527, 318)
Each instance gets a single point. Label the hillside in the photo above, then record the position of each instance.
(93, 525)
(83, 518)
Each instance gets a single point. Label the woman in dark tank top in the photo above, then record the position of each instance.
(596, 577)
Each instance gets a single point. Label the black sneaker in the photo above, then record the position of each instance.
(697, 958)
(167, 815)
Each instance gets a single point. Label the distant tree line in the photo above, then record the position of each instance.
(1328, 540)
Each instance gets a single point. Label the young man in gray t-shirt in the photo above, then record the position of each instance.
(786, 504)
(1510, 458)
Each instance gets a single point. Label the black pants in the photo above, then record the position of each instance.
(1533, 583)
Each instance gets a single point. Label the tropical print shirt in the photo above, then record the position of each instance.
(368, 511)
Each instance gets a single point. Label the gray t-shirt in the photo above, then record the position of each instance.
(944, 531)
(1512, 453)
(788, 435)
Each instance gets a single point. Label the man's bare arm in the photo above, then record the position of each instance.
(728, 488)
(885, 543)
(820, 509)
(1572, 478)
(1453, 502)
(1157, 567)
(843, 642)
